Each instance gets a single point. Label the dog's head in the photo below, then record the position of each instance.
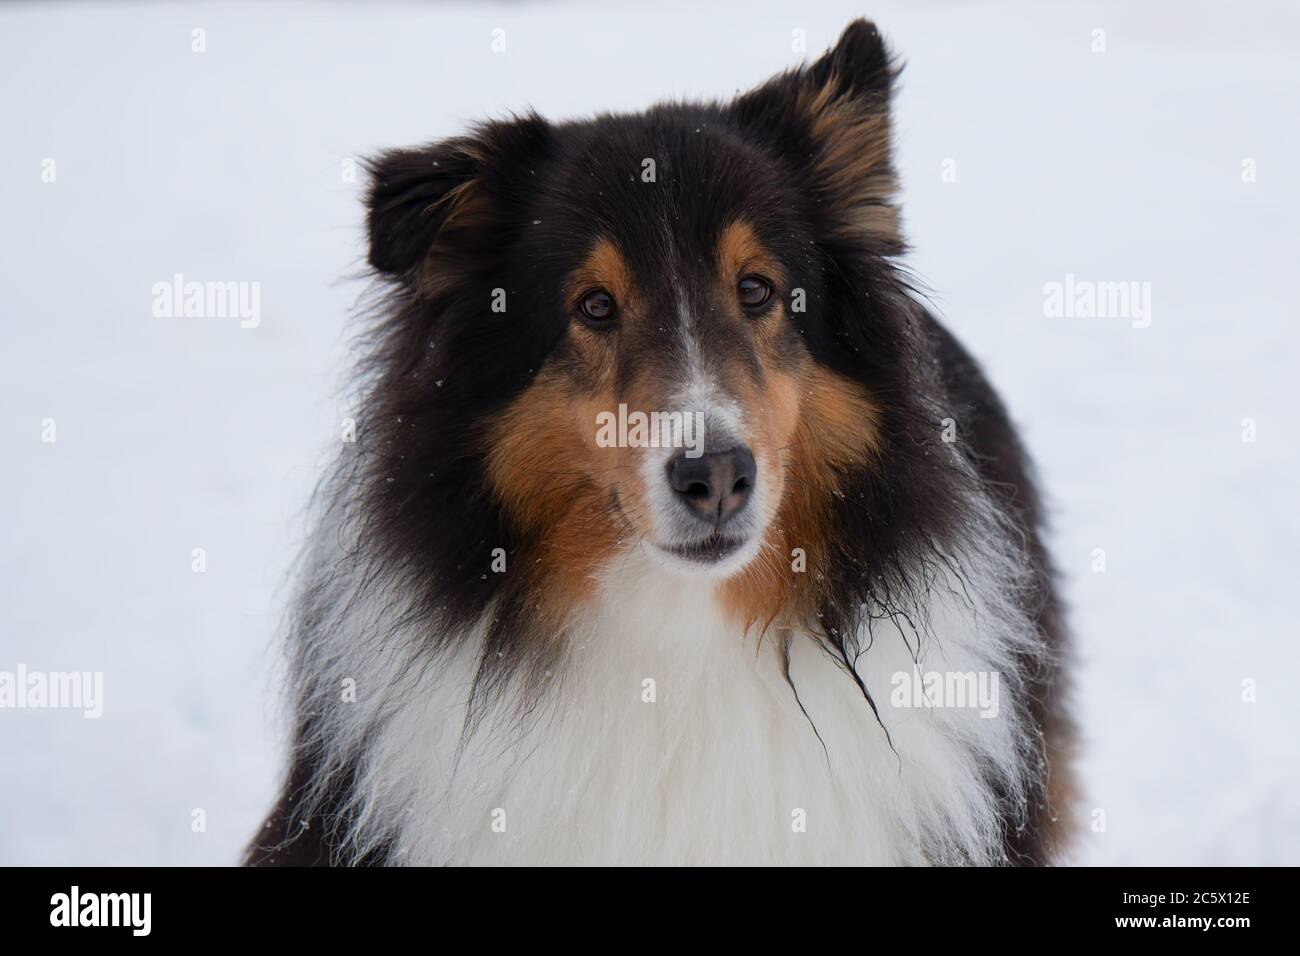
(669, 330)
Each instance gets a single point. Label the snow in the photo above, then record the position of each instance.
(177, 434)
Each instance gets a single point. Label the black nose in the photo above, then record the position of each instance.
(715, 486)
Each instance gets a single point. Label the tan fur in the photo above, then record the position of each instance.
(805, 423)
(854, 160)
(604, 268)
(740, 252)
(555, 495)
(544, 463)
(836, 430)
(1059, 821)
(468, 210)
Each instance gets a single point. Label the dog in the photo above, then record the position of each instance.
(532, 628)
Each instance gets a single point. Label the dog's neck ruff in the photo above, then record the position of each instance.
(663, 734)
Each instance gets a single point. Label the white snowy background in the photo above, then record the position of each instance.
(174, 434)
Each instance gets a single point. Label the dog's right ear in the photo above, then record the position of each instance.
(443, 200)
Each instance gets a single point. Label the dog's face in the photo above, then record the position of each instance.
(642, 321)
(673, 393)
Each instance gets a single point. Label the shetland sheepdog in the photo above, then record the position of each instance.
(676, 530)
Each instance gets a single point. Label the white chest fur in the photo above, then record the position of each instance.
(669, 737)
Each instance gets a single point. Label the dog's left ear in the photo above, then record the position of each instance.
(831, 120)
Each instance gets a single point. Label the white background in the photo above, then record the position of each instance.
(174, 434)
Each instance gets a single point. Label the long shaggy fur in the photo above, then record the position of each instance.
(490, 727)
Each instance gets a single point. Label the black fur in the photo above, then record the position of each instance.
(510, 207)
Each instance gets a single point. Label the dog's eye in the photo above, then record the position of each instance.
(754, 291)
(597, 305)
